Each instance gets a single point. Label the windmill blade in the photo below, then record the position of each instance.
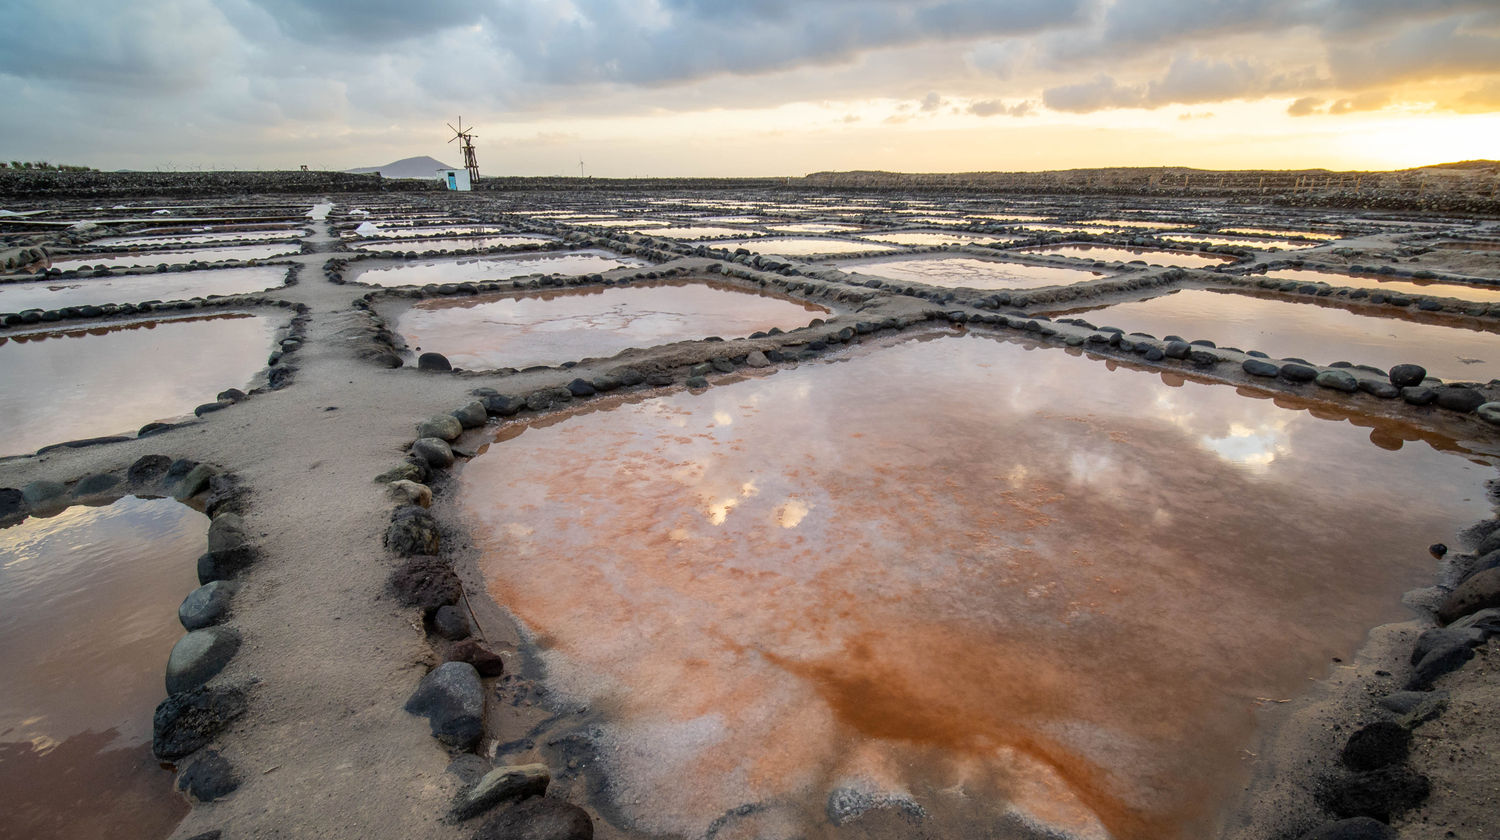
(451, 128)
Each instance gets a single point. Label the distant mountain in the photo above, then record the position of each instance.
(413, 167)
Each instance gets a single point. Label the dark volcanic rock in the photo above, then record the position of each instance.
(1407, 376)
(502, 784)
(426, 582)
(1480, 591)
(1376, 745)
(412, 531)
(1380, 794)
(209, 777)
(1177, 349)
(450, 622)
(183, 723)
(12, 503)
(485, 661)
(1257, 367)
(434, 451)
(1418, 395)
(199, 656)
(1337, 380)
(433, 361)
(452, 699)
(538, 818)
(207, 605)
(1295, 372)
(1459, 399)
(581, 388)
(503, 405)
(1383, 390)
(94, 485)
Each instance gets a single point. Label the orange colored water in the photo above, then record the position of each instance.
(88, 614)
(1008, 584)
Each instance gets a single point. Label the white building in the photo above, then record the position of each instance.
(455, 179)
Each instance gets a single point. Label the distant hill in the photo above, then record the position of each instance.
(413, 167)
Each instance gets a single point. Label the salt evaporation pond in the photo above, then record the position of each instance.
(1116, 253)
(927, 237)
(692, 232)
(801, 246)
(478, 269)
(1252, 243)
(243, 253)
(1319, 333)
(454, 244)
(88, 614)
(61, 385)
(930, 575)
(970, 273)
(396, 230)
(198, 238)
(178, 285)
(813, 227)
(1376, 283)
(493, 331)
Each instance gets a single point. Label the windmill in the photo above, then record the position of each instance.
(466, 138)
(580, 166)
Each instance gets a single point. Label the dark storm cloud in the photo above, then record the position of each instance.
(1190, 80)
(316, 21)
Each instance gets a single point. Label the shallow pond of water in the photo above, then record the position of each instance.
(88, 614)
(494, 331)
(1251, 243)
(930, 572)
(503, 267)
(932, 237)
(179, 285)
(61, 385)
(198, 238)
(1403, 286)
(137, 258)
(813, 227)
(452, 244)
(970, 272)
(693, 232)
(1256, 231)
(1468, 245)
(792, 246)
(1117, 253)
(393, 230)
(1319, 333)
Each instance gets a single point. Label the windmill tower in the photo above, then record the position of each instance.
(465, 136)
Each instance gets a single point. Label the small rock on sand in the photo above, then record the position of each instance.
(452, 699)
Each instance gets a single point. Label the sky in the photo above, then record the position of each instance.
(752, 87)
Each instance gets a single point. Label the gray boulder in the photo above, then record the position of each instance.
(183, 723)
(1259, 367)
(207, 605)
(1489, 412)
(434, 451)
(412, 531)
(471, 416)
(1480, 591)
(1407, 376)
(442, 426)
(199, 656)
(538, 818)
(209, 777)
(451, 697)
(502, 784)
(1337, 380)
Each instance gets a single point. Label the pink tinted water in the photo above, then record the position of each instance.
(1376, 283)
(480, 269)
(88, 614)
(181, 285)
(492, 331)
(1115, 253)
(61, 385)
(971, 273)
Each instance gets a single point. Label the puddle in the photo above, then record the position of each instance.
(395, 230)
(1461, 291)
(197, 238)
(1116, 253)
(813, 227)
(1255, 231)
(1026, 603)
(243, 253)
(479, 269)
(494, 331)
(801, 247)
(970, 273)
(924, 237)
(181, 285)
(454, 244)
(1252, 243)
(1137, 224)
(61, 385)
(1319, 333)
(88, 614)
(703, 232)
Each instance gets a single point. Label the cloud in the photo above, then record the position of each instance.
(1453, 47)
(1481, 100)
(996, 107)
(1305, 106)
(931, 102)
(1189, 80)
(1097, 94)
(1371, 101)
